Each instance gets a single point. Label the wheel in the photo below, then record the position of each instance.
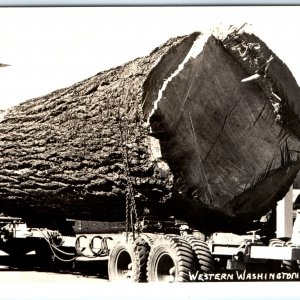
(290, 265)
(17, 256)
(128, 260)
(171, 259)
(17, 249)
(142, 247)
(276, 243)
(296, 266)
(17, 252)
(202, 252)
(44, 256)
(286, 265)
(120, 263)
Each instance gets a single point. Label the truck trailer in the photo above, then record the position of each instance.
(167, 250)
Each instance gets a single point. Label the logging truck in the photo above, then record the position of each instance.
(167, 250)
(191, 145)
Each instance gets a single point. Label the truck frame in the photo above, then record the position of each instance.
(165, 250)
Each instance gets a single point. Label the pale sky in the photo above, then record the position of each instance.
(51, 48)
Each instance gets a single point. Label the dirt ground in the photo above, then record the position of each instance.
(29, 270)
(89, 281)
(27, 280)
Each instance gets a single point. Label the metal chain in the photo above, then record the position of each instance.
(131, 194)
(126, 175)
(131, 210)
(130, 179)
(138, 139)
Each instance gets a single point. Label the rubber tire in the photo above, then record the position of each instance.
(297, 267)
(286, 265)
(276, 243)
(142, 247)
(178, 252)
(16, 256)
(44, 256)
(202, 252)
(119, 259)
(290, 265)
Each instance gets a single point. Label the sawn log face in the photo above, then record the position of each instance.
(231, 152)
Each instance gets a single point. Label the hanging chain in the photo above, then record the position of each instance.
(131, 210)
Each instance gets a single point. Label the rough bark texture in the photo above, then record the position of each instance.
(66, 153)
(190, 137)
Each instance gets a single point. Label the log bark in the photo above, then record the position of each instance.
(66, 154)
(204, 128)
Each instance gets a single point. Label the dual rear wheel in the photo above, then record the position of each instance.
(171, 259)
(167, 258)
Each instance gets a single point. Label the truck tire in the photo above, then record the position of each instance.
(128, 260)
(290, 265)
(16, 256)
(276, 243)
(286, 265)
(290, 244)
(171, 259)
(202, 252)
(44, 256)
(120, 263)
(17, 252)
(142, 247)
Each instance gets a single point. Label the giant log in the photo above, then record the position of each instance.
(206, 128)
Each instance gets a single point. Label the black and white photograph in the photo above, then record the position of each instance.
(145, 145)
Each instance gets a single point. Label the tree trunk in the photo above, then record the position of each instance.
(204, 128)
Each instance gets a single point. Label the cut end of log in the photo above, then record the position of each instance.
(194, 51)
(223, 129)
